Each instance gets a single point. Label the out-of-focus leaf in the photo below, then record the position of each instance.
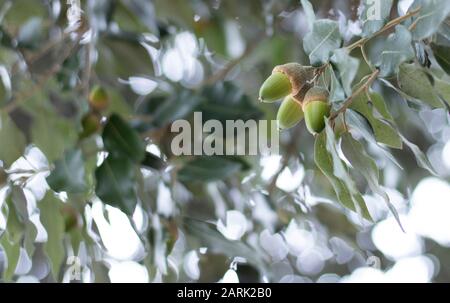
(374, 15)
(68, 174)
(361, 125)
(442, 55)
(443, 88)
(31, 33)
(153, 161)
(224, 101)
(383, 131)
(214, 240)
(366, 166)
(432, 13)
(52, 134)
(121, 140)
(321, 41)
(13, 149)
(208, 169)
(309, 13)
(115, 186)
(10, 239)
(5, 85)
(51, 218)
(328, 161)
(421, 158)
(176, 107)
(416, 83)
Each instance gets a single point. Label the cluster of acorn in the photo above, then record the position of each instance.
(292, 81)
(98, 102)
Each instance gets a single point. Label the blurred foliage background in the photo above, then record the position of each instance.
(94, 194)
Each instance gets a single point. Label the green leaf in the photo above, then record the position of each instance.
(327, 160)
(121, 140)
(373, 111)
(442, 55)
(443, 89)
(388, 53)
(208, 235)
(52, 134)
(321, 41)
(69, 173)
(414, 82)
(366, 166)
(432, 13)
(176, 107)
(397, 49)
(360, 124)
(421, 158)
(115, 186)
(153, 161)
(9, 132)
(225, 101)
(336, 91)
(52, 219)
(347, 67)
(11, 238)
(206, 169)
(371, 22)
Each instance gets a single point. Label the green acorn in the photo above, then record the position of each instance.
(289, 113)
(91, 124)
(275, 87)
(98, 98)
(316, 107)
(287, 79)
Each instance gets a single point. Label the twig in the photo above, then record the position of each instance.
(388, 26)
(350, 99)
(18, 98)
(221, 74)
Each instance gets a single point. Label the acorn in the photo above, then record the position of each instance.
(275, 87)
(98, 98)
(316, 107)
(286, 79)
(289, 113)
(91, 124)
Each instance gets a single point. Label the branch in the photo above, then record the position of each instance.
(350, 99)
(388, 26)
(221, 74)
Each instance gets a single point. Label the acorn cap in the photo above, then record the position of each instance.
(316, 93)
(289, 113)
(299, 76)
(275, 87)
(315, 113)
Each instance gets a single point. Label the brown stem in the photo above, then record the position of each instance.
(388, 26)
(350, 99)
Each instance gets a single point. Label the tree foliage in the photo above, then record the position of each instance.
(67, 152)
